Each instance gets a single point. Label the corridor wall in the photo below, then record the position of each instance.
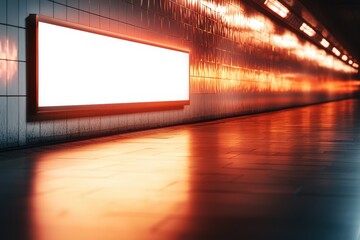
(241, 62)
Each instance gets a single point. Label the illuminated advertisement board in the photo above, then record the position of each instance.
(78, 71)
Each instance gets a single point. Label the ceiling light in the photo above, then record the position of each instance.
(336, 51)
(350, 62)
(307, 29)
(355, 65)
(325, 43)
(277, 7)
(344, 57)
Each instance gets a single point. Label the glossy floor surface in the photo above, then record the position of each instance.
(292, 174)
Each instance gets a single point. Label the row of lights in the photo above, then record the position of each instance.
(283, 12)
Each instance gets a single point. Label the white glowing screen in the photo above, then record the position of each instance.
(82, 68)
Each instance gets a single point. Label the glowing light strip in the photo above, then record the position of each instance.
(336, 51)
(307, 29)
(277, 7)
(78, 68)
(324, 43)
(344, 58)
(237, 17)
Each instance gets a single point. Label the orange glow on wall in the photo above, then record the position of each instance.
(225, 71)
(259, 27)
(8, 63)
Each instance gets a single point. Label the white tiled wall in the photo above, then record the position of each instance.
(15, 131)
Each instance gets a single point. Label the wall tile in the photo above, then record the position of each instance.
(72, 15)
(84, 18)
(122, 11)
(114, 26)
(114, 9)
(3, 77)
(94, 21)
(22, 121)
(95, 6)
(72, 128)
(141, 120)
(59, 129)
(73, 3)
(13, 12)
(22, 78)
(104, 8)
(123, 122)
(46, 129)
(84, 126)
(12, 81)
(3, 122)
(13, 121)
(33, 132)
(33, 6)
(130, 121)
(22, 45)
(3, 11)
(84, 5)
(105, 123)
(114, 122)
(62, 2)
(153, 119)
(122, 28)
(12, 43)
(104, 24)
(3, 41)
(46, 8)
(95, 125)
(130, 17)
(59, 11)
(167, 118)
(22, 13)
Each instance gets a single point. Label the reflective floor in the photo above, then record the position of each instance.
(292, 174)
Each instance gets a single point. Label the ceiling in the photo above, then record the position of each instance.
(342, 19)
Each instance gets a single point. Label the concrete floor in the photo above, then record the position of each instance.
(292, 174)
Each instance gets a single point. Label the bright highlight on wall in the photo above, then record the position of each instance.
(77, 68)
(277, 7)
(8, 51)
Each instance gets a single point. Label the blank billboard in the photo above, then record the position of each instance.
(78, 67)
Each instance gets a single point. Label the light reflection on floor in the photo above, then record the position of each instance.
(107, 186)
(291, 174)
